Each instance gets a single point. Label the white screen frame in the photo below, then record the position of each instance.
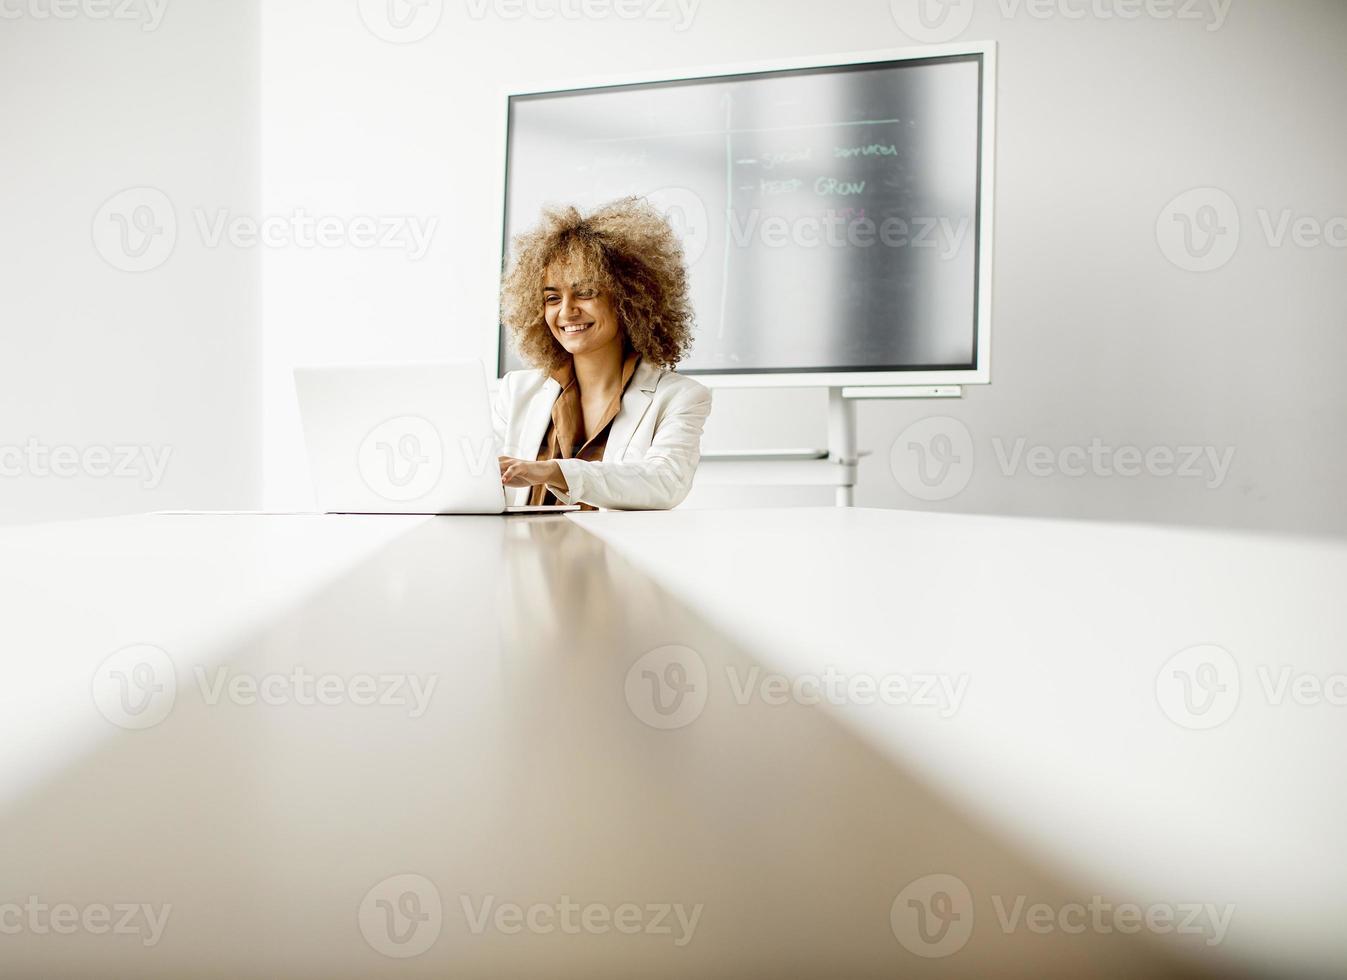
(981, 374)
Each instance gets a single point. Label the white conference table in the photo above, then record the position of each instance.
(695, 743)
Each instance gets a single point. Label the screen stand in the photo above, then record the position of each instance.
(833, 467)
(842, 443)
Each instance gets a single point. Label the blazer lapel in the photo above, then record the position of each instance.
(635, 403)
(536, 419)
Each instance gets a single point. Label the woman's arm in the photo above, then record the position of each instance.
(659, 481)
(516, 472)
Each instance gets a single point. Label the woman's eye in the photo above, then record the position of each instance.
(551, 299)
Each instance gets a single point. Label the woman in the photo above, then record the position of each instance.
(599, 305)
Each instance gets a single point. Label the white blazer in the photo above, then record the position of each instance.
(653, 448)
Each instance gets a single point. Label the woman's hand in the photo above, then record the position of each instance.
(527, 473)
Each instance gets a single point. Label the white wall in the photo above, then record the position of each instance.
(1098, 336)
(162, 361)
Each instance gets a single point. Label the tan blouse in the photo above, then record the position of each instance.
(565, 435)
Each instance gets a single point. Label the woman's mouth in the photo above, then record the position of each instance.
(576, 327)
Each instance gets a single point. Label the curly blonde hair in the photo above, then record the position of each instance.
(629, 249)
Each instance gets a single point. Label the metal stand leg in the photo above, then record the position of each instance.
(842, 439)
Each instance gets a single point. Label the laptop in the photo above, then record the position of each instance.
(403, 439)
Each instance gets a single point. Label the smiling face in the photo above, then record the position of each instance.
(580, 315)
